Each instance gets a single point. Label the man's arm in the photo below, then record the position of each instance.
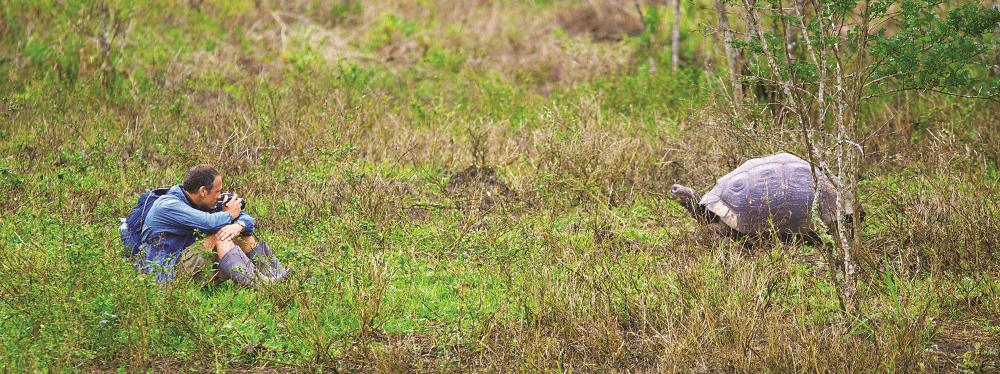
(242, 222)
(247, 221)
(177, 217)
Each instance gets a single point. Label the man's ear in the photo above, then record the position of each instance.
(202, 191)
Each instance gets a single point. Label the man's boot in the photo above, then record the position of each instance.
(267, 264)
(238, 267)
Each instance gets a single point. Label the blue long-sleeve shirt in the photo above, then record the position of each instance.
(170, 227)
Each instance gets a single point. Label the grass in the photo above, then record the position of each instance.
(343, 122)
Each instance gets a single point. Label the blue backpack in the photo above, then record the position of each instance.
(130, 230)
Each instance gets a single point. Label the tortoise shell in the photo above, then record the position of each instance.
(771, 193)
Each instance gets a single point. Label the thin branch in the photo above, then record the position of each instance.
(990, 98)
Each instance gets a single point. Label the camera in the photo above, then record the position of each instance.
(226, 196)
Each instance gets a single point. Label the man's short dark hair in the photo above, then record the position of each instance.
(200, 176)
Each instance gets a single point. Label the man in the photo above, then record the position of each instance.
(192, 211)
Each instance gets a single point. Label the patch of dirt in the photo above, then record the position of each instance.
(251, 65)
(604, 20)
(966, 346)
(480, 185)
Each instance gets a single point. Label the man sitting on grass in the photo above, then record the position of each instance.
(192, 211)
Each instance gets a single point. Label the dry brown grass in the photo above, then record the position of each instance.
(598, 272)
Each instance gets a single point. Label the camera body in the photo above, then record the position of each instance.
(226, 196)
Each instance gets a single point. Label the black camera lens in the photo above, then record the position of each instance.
(226, 196)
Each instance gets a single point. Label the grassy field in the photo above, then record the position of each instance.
(461, 186)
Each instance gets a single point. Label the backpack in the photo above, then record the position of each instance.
(130, 230)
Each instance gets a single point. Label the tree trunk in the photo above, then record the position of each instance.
(996, 34)
(727, 37)
(674, 43)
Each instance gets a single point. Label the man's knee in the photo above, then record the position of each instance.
(224, 245)
(212, 243)
(246, 242)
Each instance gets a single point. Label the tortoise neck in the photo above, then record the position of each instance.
(698, 211)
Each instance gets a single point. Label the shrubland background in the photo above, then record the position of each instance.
(351, 127)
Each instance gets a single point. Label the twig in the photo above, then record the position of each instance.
(436, 206)
(641, 18)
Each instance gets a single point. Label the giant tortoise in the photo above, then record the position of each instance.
(772, 194)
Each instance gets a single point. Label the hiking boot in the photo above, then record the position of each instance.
(267, 264)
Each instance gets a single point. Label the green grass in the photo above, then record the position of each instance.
(343, 135)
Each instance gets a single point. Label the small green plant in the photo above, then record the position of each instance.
(391, 29)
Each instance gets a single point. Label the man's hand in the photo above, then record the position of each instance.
(232, 206)
(229, 232)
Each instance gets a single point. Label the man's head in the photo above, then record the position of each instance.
(203, 185)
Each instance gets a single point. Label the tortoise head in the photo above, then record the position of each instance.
(683, 194)
(689, 200)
